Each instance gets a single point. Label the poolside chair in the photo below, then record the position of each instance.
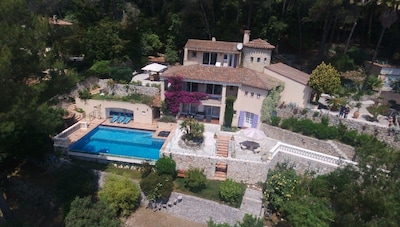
(127, 120)
(114, 118)
(120, 119)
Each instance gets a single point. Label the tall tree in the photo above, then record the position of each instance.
(324, 79)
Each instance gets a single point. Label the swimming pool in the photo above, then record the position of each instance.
(121, 142)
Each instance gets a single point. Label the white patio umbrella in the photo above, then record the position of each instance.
(252, 133)
(154, 67)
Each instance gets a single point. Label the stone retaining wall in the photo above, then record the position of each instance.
(127, 89)
(372, 128)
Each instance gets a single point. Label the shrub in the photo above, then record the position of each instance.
(288, 123)
(307, 127)
(166, 165)
(146, 169)
(168, 119)
(84, 212)
(324, 132)
(195, 179)
(325, 120)
(157, 187)
(275, 121)
(231, 192)
(192, 129)
(121, 193)
(349, 137)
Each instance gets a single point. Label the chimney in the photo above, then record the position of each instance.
(246, 36)
(213, 39)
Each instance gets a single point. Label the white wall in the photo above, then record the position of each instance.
(294, 92)
(142, 113)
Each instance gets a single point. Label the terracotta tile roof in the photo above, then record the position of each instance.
(259, 43)
(212, 46)
(223, 75)
(290, 72)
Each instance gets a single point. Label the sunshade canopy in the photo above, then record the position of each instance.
(154, 67)
(252, 133)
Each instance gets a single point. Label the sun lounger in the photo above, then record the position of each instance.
(127, 120)
(120, 119)
(114, 118)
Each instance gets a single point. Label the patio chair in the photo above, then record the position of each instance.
(120, 119)
(114, 118)
(127, 120)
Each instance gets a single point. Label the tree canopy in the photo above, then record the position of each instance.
(324, 79)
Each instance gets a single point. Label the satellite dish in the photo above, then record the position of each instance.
(239, 46)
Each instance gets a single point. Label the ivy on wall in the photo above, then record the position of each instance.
(270, 103)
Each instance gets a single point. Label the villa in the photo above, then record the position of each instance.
(109, 129)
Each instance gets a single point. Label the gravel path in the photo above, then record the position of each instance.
(201, 210)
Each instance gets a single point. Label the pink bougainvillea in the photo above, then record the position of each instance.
(174, 96)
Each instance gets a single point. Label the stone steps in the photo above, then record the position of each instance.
(220, 176)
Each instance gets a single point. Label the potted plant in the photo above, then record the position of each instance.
(356, 114)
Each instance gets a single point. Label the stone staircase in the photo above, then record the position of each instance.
(220, 171)
(223, 146)
(72, 109)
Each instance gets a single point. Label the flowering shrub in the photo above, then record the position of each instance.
(175, 96)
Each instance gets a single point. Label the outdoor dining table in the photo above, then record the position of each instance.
(251, 145)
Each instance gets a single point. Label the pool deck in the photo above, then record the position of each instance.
(157, 127)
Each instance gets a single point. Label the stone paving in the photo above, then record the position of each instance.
(202, 210)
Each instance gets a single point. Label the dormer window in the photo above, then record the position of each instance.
(258, 96)
(258, 59)
(265, 60)
(246, 93)
(252, 94)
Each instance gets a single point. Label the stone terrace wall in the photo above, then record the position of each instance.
(310, 143)
(127, 89)
(380, 131)
(301, 165)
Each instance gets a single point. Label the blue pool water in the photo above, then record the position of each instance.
(123, 142)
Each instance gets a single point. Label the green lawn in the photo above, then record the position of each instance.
(211, 192)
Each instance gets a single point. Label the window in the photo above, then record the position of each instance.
(214, 89)
(265, 60)
(258, 96)
(258, 59)
(251, 59)
(248, 119)
(194, 54)
(246, 93)
(252, 94)
(190, 86)
(209, 58)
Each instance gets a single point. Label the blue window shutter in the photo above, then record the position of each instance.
(241, 119)
(255, 121)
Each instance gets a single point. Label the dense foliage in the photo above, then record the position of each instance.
(74, 181)
(231, 192)
(121, 194)
(324, 79)
(195, 179)
(165, 166)
(85, 212)
(157, 187)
